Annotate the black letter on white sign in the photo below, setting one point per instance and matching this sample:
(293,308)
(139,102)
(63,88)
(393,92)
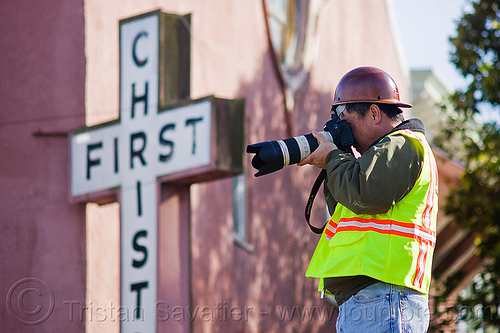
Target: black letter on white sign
(97,161)
(116,155)
(140,248)
(139,199)
(165,142)
(133,151)
(138,62)
(193,122)
(136,99)
(137,287)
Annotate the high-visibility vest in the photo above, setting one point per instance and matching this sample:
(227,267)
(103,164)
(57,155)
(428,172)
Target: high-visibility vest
(395,247)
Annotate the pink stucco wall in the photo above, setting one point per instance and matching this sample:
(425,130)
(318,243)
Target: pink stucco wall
(42,235)
(55,67)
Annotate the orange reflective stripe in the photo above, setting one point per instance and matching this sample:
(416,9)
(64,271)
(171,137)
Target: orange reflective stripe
(421,260)
(431,193)
(388,227)
(330,230)
(429,205)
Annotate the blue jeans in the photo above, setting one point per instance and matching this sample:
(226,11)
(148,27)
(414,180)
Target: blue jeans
(384,307)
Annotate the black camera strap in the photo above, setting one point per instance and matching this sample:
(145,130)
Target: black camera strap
(317,184)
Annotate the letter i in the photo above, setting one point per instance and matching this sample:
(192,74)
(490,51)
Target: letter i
(139,199)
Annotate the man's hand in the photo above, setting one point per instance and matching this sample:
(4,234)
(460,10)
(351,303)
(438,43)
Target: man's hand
(318,157)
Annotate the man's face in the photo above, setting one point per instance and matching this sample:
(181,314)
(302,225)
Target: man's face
(361,128)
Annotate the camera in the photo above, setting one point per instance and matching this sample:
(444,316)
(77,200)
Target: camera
(273,155)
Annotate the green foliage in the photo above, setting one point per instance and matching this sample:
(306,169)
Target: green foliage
(476,55)
(475,205)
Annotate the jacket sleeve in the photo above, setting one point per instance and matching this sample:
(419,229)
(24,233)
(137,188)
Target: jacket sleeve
(374,182)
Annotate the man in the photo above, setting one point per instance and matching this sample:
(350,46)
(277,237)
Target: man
(375,253)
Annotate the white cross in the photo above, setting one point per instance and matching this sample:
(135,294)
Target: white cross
(132,153)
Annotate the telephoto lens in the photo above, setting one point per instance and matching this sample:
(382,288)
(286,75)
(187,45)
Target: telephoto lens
(273,155)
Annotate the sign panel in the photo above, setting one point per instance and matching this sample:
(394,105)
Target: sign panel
(172,141)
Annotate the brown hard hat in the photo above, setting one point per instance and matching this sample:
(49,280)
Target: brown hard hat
(367,85)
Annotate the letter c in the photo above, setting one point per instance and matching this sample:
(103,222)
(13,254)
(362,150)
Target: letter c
(138,61)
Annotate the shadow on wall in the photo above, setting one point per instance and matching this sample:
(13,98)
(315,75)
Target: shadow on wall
(265,289)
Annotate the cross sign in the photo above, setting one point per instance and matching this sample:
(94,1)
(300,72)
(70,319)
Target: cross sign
(149,144)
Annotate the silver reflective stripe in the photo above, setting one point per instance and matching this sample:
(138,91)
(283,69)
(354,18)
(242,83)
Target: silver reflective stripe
(415,231)
(421,263)
(284,150)
(304,148)
(387,227)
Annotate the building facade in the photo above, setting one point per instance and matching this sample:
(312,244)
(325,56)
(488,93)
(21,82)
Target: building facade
(239,260)
(42,251)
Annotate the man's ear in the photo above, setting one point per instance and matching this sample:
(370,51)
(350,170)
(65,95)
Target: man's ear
(375,113)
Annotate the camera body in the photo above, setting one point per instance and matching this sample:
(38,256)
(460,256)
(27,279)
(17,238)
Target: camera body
(273,155)
(341,133)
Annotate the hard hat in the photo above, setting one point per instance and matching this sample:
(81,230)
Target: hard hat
(367,85)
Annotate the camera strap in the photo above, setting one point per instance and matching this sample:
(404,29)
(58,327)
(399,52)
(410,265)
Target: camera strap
(317,184)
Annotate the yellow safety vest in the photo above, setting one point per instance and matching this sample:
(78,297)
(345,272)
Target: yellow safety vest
(395,247)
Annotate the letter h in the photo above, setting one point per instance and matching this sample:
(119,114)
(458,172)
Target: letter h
(137,99)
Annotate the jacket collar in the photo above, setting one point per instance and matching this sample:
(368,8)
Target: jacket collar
(413,124)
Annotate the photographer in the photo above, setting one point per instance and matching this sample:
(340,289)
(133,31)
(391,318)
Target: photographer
(375,253)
